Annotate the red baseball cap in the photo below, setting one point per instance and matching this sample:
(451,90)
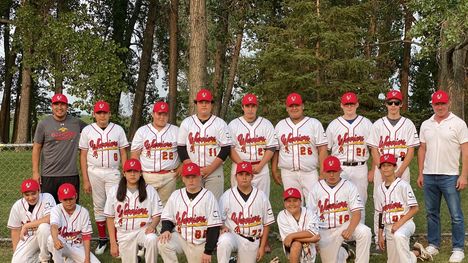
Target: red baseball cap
(440,96)
(244,167)
(293,99)
(59,98)
(66,191)
(394,95)
(161,107)
(331,164)
(349,97)
(190,169)
(132,165)
(29,185)
(249,99)
(101,106)
(387,158)
(291,192)
(204,95)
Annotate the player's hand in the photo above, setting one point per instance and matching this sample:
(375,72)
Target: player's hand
(316,238)
(206,171)
(149,230)
(36,176)
(24,231)
(461,182)
(205,258)
(178,171)
(288,241)
(346,234)
(399,173)
(114,249)
(164,237)
(86,187)
(381,242)
(260,253)
(420,181)
(276,177)
(58,244)
(257,168)
(370,175)
(396,226)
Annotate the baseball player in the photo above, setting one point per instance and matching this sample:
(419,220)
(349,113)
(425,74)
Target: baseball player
(254,141)
(397,205)
(393,134)
(338,205)
(133,209)
(70,229)
(302,147)
(347,137)
(247,216)
(103,146)
(155,145)
(29,224)
(298,227)
(193,213)
(205,140)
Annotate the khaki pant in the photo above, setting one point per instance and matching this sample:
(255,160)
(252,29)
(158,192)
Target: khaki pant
(164,184)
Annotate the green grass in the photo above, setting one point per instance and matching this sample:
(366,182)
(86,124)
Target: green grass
(16,166)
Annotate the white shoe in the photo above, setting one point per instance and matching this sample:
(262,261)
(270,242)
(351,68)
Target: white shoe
(457,256)
(432,250)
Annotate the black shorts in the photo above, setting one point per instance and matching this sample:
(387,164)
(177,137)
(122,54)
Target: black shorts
(51,184)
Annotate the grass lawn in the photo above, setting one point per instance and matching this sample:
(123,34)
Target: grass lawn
(16,166)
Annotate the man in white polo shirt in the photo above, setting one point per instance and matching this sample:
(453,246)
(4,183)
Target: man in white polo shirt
(443,137)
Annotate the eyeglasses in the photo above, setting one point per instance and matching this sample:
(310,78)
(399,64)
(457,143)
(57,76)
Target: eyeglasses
(350,104)
(396,103)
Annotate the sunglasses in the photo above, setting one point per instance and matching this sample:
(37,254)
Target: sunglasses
(396,103)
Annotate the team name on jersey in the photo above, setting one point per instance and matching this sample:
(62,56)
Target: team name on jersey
(294,140)
(251,141)
(197,140)
(70,236)
(393,207)
(99,145)
(154,145)
(250,221)
(194,221)
(393,144)
(349,140)
(127,212)
(327,208)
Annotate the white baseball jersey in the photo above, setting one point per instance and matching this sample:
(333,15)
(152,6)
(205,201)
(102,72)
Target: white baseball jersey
(20,215)
(298,144)
(246,217)
(251,140)
(287,224)
(132,214)
(391,139)
(334,205)
(192,218)
(72,228)
(348,141)
(395,201)
(158,148)
(203,141)
(103,145)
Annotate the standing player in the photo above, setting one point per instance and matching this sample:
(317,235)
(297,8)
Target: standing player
(298,227)
(302,148)
(102,146)
(193,213)
(347,137)
(70,229)
(155,144)
(392,134)
(338,205)
(397,205)
(133,209)
(247,216)
(254,142)
(29,224)
(204,139)
(55,148)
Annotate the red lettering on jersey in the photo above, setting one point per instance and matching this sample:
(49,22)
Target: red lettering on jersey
(126,211)
(70,235)
(197,139)
(393,207)
(346,139)
(99,144)
(326,207)
(387,143)
(63,135)
(156,145)
(300,139)
(241,220)
(248,140)
(193,220)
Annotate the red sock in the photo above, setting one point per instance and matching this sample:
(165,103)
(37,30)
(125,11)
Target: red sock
(101,228)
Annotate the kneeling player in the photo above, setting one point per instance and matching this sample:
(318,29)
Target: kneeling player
(298,227)
(247,215)
(194,213)
(338,205)
(133,209)
(396,205)
(29,224)
(70,229)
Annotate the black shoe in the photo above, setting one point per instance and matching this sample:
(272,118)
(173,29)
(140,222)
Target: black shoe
(233,260)
(349,249)
(102,244)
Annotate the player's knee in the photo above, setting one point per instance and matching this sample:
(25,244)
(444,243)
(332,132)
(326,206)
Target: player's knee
(151,240)
(43,229)
(399,237)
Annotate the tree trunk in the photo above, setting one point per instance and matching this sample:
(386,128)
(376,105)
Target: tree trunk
(25,101)
(220,55)
(197,50)
(232,74)
(145,68)
(318,80)
(371,31)
(173,59)
(17,104)
(405,67)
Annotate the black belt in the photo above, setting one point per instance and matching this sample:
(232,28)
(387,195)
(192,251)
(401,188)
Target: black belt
(353,163)
(251,239)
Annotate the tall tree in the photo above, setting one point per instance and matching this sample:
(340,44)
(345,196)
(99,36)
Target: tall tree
(405,67)
(173,59)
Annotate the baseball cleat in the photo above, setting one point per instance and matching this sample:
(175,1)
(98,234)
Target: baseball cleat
(102,245)
(423,254)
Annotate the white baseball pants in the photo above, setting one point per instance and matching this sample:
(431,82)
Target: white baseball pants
(358,176)
(75,253)
(398,249)
(101,179)
(231,242)
(260,181)
(129,242)
(215,182)
(303,181)
(33,247)
(178,245)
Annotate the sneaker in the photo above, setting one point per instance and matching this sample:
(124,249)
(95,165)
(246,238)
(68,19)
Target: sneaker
(376,251)
(233,259)
(423,254)
(141,252)
(457,256)
(349,250)
(432,250)
(101,247)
